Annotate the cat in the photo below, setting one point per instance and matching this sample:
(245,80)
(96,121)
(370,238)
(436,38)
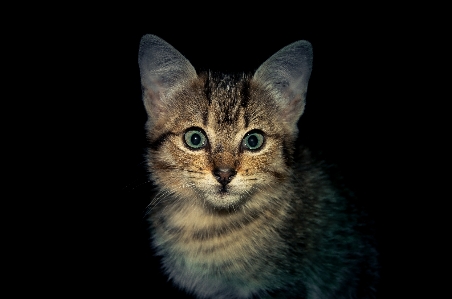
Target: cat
(240,211)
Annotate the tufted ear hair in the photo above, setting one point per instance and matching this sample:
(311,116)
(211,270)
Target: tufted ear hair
(163,71)
(285,75)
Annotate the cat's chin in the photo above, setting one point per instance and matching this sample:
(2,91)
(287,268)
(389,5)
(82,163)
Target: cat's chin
(224,199)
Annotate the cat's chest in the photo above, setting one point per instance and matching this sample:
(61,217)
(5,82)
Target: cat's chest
(209,241)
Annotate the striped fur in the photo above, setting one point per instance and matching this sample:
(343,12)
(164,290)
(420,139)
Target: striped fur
(278,228)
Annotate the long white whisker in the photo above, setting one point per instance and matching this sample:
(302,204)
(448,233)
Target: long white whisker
(156,200)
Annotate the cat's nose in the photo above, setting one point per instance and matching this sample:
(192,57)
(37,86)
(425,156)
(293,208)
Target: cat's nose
(224,175)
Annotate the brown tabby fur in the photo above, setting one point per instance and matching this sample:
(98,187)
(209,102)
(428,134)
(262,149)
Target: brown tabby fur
(278,228)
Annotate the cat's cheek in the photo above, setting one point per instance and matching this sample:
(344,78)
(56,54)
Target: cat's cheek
(183,158)
(259,165)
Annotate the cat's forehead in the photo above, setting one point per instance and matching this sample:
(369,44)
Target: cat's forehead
(229,104)
(230,87)
(227,97)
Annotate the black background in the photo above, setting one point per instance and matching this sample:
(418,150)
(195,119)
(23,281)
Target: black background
(98,240)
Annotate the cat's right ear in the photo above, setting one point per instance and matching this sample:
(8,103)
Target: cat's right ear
(163,71)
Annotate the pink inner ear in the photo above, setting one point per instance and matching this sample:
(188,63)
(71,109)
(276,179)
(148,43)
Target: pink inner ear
(294,109)
(153,103)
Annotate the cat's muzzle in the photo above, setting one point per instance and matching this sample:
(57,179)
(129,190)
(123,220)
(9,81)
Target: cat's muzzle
(224,175)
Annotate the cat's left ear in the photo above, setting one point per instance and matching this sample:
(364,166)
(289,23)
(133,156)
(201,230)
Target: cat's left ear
(285,75)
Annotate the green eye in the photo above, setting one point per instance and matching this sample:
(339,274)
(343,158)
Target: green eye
(253,140)
(195,138)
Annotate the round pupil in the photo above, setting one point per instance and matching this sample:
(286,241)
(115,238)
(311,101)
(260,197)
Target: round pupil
(195,139)
(252,141)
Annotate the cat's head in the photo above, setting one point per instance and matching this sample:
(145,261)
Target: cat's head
(220,140)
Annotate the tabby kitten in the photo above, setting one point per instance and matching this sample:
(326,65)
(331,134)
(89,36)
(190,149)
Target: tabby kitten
(238,212)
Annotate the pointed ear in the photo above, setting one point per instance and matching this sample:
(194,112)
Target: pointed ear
(285,75)
(163,71)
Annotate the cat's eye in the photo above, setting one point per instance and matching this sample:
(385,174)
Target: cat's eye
(195,138)
(253,140)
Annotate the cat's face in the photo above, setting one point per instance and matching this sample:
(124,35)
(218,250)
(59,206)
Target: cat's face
(219,142)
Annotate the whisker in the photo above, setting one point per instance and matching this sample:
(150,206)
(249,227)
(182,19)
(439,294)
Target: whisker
(132,186)
(156,200)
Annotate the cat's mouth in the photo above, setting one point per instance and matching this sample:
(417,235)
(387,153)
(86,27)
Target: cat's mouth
(223,190)
(221,197)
